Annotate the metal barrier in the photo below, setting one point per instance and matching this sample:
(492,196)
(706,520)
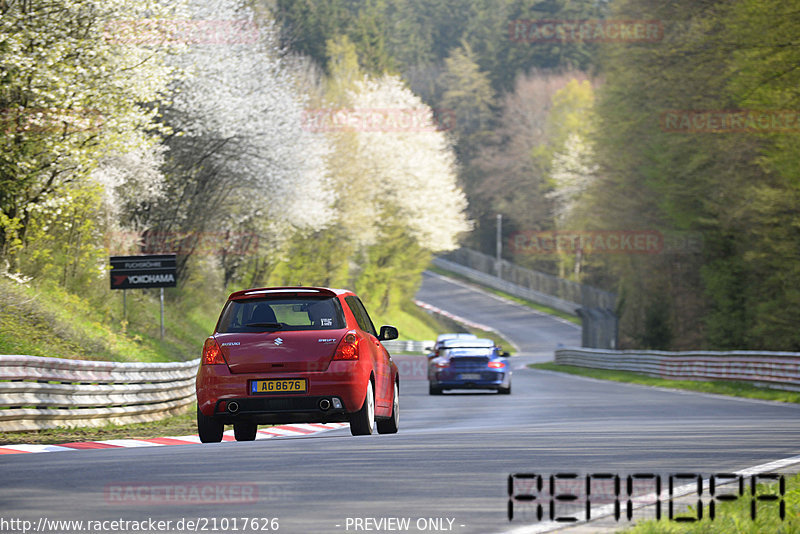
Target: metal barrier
(398,345)
(37,393)
(558,293)
(599,328)
(778,370)
(503,285)
(594,306)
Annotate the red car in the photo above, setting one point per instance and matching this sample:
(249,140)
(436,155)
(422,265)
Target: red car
(296,355)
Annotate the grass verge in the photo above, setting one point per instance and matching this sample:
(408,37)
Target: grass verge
(176,425)
(734,516)
(530,304)
(735,389)
(44,319)
(411,322)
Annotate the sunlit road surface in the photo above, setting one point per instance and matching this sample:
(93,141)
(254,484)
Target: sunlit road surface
(445,471)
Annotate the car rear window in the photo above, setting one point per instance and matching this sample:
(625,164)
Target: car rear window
(260,315)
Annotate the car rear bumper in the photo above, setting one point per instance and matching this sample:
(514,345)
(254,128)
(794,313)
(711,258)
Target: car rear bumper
(278,410)
(345,380)
(487,380)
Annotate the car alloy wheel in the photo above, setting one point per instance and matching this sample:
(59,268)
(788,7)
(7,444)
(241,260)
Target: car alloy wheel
(390,426)
(362,423)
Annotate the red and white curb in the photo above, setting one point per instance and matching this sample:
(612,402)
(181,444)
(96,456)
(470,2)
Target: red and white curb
(456,318)
(283,431)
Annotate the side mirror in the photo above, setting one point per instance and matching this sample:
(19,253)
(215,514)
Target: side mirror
(428,349)
(387,333)
(504,354)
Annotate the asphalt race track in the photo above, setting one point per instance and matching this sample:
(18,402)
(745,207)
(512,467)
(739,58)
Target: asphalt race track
(446,470)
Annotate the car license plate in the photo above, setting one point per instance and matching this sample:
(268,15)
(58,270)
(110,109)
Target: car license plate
(470,376)
(290,385)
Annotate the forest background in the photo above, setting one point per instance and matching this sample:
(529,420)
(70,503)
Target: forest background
(343,143)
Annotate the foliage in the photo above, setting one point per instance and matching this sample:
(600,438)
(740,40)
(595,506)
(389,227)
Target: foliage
(395,184)
(239,146)
(733,187)
(514,173)
(467,94)
(43,319)
(70,95)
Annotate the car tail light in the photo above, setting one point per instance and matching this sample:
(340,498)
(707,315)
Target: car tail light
(496,365)
(441,364)
(212,354)
(348,347)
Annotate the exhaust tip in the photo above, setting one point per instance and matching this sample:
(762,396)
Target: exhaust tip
(324,404)
(233,407)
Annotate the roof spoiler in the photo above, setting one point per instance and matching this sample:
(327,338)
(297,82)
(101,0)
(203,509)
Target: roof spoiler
(286,291)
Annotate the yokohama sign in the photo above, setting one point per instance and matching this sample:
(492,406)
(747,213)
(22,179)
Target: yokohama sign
(140,272)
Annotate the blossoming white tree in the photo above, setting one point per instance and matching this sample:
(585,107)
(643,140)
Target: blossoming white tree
(240,160)
(70,96)
(409,163)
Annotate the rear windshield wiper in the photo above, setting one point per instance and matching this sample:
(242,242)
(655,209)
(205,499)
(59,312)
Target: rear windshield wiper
(266,325)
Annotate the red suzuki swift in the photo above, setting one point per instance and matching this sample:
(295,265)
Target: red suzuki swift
(296,355)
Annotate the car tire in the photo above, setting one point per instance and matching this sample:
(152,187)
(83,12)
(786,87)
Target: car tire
(245,431)
(505,391)
(209,428)
(390,426)
(434,390)
(362,423)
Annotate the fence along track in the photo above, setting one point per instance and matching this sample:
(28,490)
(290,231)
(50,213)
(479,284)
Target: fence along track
(38,393)
(777,370)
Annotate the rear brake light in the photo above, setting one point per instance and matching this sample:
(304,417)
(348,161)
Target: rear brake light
(348,347)
(212,354)
(496,365)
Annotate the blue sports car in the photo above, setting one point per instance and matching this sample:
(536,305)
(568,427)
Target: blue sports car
(469,364)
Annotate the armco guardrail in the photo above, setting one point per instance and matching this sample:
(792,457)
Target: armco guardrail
(38,393)
(558,293)
(779,370)
(508,287)
(399,345)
